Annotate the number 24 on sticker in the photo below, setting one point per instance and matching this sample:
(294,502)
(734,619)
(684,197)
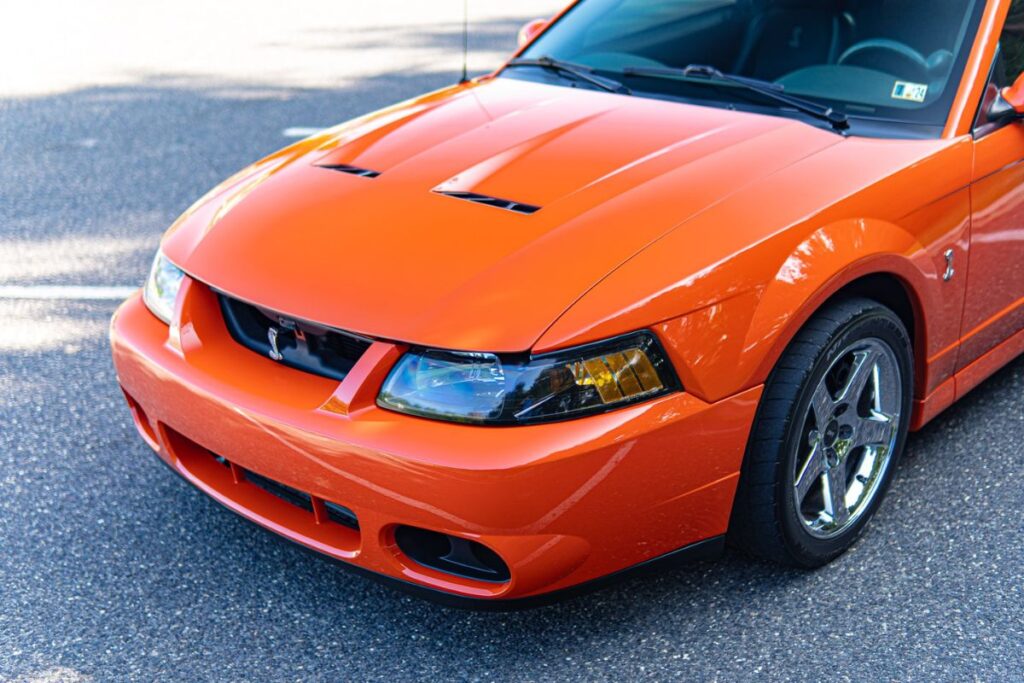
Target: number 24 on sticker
(913,92)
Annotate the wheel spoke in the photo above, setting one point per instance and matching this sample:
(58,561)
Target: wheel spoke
(876,380)
(811,472)
(873,431)
(822,405)
(862,372)
(835,495)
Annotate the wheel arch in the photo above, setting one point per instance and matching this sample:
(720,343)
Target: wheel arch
(734,343)
(889,289)
(898,275)
(899,296)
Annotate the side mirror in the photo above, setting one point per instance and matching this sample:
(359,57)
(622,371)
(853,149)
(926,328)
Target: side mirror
(531,30)
(1014,95)
(1010,102)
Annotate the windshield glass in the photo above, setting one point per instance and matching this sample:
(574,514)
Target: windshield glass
(895,60)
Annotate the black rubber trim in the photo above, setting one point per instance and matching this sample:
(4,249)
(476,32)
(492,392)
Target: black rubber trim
(708,549)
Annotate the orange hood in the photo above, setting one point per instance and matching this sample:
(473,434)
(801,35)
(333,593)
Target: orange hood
(391,257)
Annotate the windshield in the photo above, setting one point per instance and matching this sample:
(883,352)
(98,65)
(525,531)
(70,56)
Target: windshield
(893,61)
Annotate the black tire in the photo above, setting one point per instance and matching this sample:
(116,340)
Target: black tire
(765,519)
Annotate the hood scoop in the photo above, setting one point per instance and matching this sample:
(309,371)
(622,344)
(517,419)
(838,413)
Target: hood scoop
(351,170)
(506,204)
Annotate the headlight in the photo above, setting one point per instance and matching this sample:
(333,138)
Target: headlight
(484,388)
(162,287)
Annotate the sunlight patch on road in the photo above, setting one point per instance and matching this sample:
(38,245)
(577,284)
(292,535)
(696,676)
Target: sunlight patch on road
(22,261)
(327,44)
(57,674)
(44,326)
(66,293)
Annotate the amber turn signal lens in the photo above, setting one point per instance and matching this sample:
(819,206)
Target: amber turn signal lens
(618,376)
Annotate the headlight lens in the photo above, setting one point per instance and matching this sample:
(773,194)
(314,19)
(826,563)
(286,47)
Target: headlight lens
(484,388)
(162,287)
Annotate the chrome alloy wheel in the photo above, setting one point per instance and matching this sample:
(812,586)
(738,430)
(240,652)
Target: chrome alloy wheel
(848,438)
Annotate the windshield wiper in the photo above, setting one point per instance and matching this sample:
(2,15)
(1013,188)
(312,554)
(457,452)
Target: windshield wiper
(577,71)
(837,120)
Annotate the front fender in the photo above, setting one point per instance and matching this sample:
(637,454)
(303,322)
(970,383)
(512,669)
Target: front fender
(734,343)
(746,310)
(829,260)
(913,252)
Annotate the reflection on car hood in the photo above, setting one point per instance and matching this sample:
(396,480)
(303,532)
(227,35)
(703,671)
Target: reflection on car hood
(351,228)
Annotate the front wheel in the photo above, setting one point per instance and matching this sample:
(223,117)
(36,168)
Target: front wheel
(830,429)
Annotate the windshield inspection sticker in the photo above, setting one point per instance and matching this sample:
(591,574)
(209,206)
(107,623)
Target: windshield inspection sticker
(912,92)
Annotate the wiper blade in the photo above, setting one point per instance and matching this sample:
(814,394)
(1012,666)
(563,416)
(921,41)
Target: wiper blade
(577,71)
(837,120)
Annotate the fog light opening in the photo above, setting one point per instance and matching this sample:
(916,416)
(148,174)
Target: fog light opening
(452,555)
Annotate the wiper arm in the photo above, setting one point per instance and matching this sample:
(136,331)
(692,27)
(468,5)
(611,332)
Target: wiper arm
(577,71)
(837,120)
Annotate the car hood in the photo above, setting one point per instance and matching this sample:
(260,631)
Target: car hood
(351,228)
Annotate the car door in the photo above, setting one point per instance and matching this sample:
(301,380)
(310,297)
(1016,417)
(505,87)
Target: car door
(994,310)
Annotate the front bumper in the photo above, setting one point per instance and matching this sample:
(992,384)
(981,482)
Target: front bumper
(562,504)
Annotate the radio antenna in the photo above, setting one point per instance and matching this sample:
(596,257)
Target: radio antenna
(465,42)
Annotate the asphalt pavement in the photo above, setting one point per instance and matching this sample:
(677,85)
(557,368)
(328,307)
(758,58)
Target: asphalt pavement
(111,568)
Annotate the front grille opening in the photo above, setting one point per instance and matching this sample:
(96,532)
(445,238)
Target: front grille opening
(229,478)
(506,204)
(451,554)
(294,343)
(332,512)
(351,170)
(282,491)
(339,514)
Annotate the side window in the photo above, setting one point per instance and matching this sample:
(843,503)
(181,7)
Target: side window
(1012,44)
(1009,62)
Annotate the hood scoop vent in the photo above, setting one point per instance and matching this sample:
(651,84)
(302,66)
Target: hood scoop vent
(506,204)
(351,170)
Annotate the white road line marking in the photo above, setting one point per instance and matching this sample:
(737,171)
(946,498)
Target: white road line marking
(299,132)
(66,293)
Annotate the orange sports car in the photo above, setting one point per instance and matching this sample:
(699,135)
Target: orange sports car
(681,273)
